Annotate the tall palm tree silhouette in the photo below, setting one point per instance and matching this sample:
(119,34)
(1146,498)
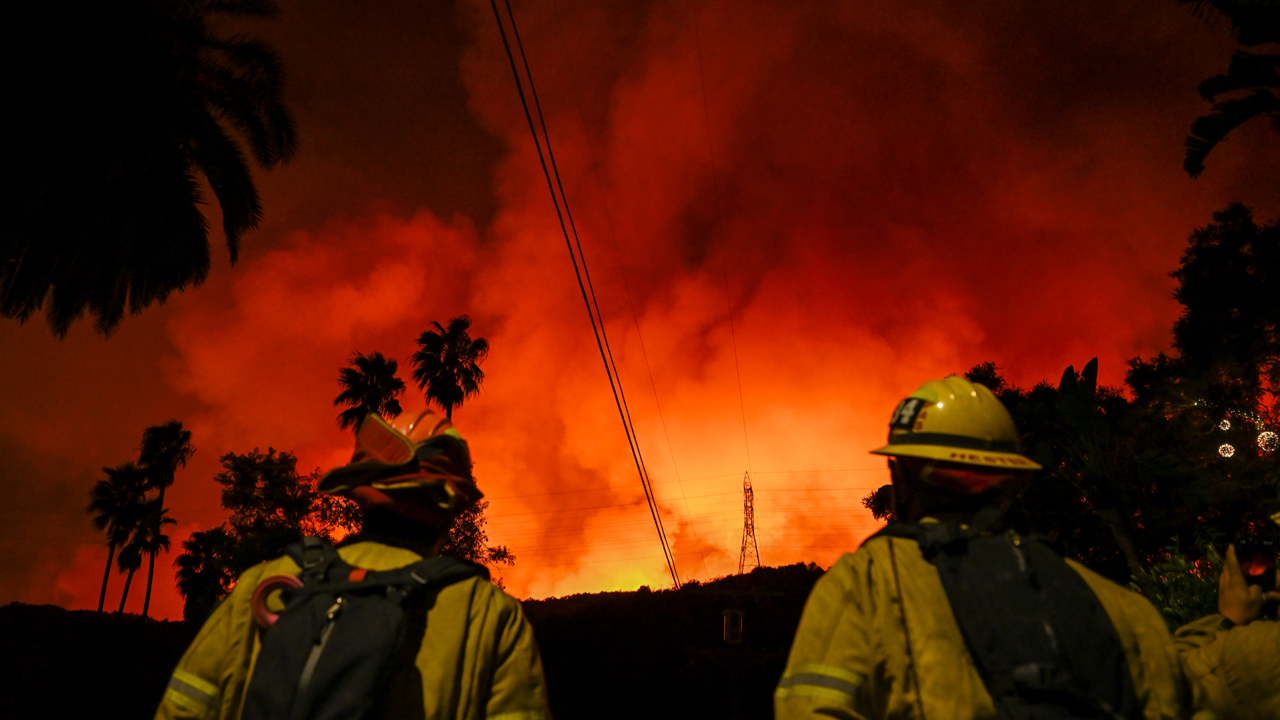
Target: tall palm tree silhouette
(126,107)
(117,506)
(447,364)
(130,560)
(150,540)
(370,386)
(165,448)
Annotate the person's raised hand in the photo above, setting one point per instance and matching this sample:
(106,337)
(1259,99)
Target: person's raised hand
(1238,601)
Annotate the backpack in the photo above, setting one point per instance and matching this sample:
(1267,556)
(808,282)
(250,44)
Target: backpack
(343,634)
(1041,641)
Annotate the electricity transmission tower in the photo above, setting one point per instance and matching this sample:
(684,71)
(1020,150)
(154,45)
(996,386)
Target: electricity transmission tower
(749,558)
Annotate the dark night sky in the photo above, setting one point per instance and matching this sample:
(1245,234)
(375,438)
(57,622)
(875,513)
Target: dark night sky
(899,190)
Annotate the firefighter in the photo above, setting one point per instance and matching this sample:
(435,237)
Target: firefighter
(932,613)
(478,658)
(1232,659)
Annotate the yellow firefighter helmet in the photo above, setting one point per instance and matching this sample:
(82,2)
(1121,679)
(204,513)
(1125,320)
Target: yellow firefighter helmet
(957,421)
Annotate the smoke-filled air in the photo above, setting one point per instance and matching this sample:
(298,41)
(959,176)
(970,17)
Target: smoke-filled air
(792,214)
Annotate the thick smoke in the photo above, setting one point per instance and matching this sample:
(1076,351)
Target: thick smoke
(877,193)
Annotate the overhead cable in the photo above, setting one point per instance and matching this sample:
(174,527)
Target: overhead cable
(588,292)
(626,286)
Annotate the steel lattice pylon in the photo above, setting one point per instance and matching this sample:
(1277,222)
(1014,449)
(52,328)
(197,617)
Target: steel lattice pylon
(749,558)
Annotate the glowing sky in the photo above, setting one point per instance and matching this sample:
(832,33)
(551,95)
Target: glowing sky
(882,191)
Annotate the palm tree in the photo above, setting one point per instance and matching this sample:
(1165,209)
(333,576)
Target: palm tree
(1248,72)
(117,503)
(130,559)
(165,448)
(447,365)
(151,540)
(204,571)
(1254,24)
(371,386)
(125,108)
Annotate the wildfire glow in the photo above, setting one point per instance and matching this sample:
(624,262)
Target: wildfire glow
(880,193)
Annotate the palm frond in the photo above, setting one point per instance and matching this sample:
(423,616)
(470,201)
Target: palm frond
(224,165)
(1207,131)
(247,88)
(369,386)
(1247,71)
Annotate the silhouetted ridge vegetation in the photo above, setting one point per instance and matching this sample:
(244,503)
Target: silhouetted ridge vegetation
(616,655)
(60,663)
(662,653)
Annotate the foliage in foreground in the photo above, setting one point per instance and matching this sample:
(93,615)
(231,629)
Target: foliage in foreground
(1181,587)
(126,110)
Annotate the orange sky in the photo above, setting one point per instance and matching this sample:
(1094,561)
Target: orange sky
(899,190)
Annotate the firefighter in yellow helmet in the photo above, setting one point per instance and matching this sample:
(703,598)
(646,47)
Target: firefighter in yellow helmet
(477,658)
(1232,658)
(945,614)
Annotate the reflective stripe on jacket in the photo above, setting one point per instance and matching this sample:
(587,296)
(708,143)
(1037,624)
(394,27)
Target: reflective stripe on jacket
(853,658)
(478,658)
(1234,670)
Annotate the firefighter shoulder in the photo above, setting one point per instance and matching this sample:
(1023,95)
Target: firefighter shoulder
(1232,658)
(478,658)
(879,638)
(854,657)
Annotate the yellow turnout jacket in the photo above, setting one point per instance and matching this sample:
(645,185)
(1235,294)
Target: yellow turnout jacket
(855,658)
(478,658)
(1234,670)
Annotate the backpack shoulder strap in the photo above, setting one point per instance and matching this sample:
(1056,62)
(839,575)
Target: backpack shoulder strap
(441,571)
(316,557)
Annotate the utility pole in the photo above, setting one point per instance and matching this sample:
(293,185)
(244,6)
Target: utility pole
(749,558)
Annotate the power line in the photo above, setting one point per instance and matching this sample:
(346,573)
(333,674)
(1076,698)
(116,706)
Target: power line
(626,286)
(593,308)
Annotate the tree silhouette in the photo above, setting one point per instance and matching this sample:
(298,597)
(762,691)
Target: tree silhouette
(117,506)
(149,538)
(447,364)
(165,448)
(1251,79)
(204,571)
(124,107)
(369,386)
(130,560)
(469,540)
(1127,474)
(271,506)
(880,502)
(1226,337)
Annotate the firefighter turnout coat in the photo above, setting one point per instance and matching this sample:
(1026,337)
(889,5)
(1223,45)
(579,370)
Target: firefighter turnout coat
(1234,670)
(478,657)
(878,641)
